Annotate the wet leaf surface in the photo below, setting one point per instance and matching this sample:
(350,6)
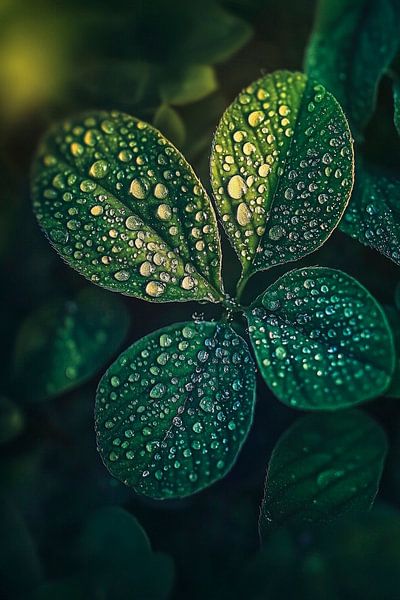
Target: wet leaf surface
(281,169)
(373,215)
(321,340)
(175,408)
(65,342)
(393,318)
(323,467)
(352,44)
(123,207)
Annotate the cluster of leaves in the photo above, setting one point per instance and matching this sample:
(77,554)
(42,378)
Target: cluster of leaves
(123,207)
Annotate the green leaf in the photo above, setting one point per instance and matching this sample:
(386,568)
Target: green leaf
(396,103)
(169,122)
(393,318)
(322,342)
(373,215)
(20,568)
(352,44)
(323,467)
(281,169)
(123,207)
(175,408)
(193,84)
(12,420)
(64,343)
(117,559)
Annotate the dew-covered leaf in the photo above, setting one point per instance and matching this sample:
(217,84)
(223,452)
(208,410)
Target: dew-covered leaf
(65,342)
(123,207)
(373,215)
(323,467)
(321,340)
(174,409)
(352,44)
(281,169)
(117,559)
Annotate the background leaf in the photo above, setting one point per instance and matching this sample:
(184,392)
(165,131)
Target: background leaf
(352,44)
(11,420)
(123,207)
(195,83)
(175,408)
(356,557)
(321,340)
(393,318)
(117,559)
(373,215)
(281,169)
(168,121)
(321,468)
(64,343)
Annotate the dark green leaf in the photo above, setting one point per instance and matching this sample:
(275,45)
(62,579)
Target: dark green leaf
(352,44)
(123,207)
(321,468)
(118,561)
(373,215)
(355,558)
(11,420)
(175,408)
(396,102)
(193,84)
(393,318)
(64,343)
(321,340)
(168,121)
(20,569)
(281,169)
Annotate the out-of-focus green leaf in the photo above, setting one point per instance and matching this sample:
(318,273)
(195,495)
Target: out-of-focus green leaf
(396,102)
(123,207)
(64,343)
(174,409)
(117,559)
(169,122)
(323,467)
(393,317)
(195,83)
(373,215)
(322,342)
(64,589)
(11,420)
(20,570)
(356,557)
(352,44)
(281,169)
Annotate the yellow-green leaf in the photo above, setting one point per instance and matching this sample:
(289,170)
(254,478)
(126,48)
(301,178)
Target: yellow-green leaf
(281,169)
(123,207)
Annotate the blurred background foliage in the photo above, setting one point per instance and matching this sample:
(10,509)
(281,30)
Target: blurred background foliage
(67,529)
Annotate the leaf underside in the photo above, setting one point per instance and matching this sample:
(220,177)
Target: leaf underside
(322,342)
(373,215)
(174,409)
(352,45)
(123,207)
(281,169)
(323,467)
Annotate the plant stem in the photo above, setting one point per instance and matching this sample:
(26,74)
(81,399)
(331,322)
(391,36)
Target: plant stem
(241,284)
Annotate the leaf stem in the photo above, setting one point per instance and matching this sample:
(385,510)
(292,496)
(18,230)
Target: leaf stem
(241,284)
